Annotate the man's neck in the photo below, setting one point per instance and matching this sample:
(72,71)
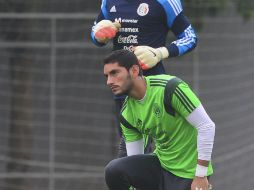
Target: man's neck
(139,89)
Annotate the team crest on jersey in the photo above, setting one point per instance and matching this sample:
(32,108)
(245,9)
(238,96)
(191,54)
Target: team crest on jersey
(143,9)
(157,110)
(139,123)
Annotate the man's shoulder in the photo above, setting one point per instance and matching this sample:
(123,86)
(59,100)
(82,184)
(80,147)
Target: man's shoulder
(115,2)
(154,80)
(159,77)
(109,2)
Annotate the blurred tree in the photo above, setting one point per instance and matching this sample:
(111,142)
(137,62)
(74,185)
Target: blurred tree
(198,9)
(53,6)
(245,8)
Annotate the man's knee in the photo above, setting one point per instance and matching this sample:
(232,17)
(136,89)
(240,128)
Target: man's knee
(114,171)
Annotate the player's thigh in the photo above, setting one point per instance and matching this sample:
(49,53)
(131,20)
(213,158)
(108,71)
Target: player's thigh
(143,171)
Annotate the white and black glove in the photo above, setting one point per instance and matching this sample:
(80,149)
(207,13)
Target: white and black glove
(148,57)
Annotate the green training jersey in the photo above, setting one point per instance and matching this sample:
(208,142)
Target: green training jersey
(161,115)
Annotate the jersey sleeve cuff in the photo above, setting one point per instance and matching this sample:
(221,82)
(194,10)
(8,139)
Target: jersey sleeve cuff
(95,42)
(173,50)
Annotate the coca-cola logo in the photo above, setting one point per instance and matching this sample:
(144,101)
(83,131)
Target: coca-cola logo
(131,39)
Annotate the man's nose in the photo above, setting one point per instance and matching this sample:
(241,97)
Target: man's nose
(109,81)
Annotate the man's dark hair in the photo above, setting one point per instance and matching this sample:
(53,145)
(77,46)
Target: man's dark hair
(124,58)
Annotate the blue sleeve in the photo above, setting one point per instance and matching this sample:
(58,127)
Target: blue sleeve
(186,37)
(104,9)
(180,26)
(103,15)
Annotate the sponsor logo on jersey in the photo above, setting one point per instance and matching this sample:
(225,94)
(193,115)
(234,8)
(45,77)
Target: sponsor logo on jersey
(120,20)
(143,9)
(157,110)
(131,30)
(129,48)
(131,39)
(113,9)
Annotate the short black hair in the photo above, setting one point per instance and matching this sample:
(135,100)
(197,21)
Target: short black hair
(124,58)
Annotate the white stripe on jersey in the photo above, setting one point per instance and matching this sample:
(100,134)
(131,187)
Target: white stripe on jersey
(179,4)
(184,41)
(102,2)
(179,7)
(189,37)
(175,6)
(189,32)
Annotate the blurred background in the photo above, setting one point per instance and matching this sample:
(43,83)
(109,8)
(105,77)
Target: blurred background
(57,116)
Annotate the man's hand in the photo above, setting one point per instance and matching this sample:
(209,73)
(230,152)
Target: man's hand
(200,183)
(148,57)
(105,30)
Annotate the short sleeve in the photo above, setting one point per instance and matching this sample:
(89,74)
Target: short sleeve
(184,101)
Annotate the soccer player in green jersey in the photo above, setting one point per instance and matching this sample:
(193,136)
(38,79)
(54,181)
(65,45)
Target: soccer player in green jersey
(166,109)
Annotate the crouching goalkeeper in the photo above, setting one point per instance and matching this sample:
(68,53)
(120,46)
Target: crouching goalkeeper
(165,108)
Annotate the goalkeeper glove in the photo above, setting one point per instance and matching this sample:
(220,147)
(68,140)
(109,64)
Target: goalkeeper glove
(148,57)
(105,30)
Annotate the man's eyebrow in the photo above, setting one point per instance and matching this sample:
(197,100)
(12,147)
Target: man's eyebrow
(113,71)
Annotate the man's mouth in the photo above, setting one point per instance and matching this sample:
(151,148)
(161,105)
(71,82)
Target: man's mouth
(114,88)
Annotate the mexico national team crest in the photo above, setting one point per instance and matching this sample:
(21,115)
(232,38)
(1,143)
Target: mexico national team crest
(143,9)
(157,110)
(139,123)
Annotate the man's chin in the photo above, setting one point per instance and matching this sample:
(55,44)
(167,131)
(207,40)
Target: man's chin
(119,93)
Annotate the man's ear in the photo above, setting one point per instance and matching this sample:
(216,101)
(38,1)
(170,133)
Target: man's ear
(135,70)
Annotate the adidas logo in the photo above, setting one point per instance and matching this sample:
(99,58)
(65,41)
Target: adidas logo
(113,9)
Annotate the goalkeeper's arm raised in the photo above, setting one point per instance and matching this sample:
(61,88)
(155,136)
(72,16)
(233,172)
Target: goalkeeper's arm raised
(185,42)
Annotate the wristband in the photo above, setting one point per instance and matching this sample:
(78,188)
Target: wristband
(201,171)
